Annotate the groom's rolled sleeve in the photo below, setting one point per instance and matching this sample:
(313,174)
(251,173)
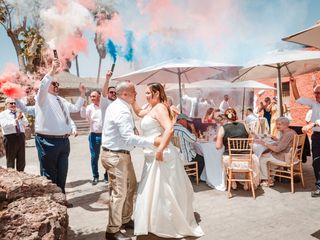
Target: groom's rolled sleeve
(125,126)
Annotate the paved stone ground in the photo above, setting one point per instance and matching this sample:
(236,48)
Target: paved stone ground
(275,214)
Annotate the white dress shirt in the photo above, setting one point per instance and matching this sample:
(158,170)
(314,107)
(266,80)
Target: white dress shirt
(50,119)
(251,118)
(8,122)
(93,114)
(31,110)
(223,106)
(118,128)
(315,106)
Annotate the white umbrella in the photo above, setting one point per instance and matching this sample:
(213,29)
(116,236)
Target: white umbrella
(180,70)
(281,63)
(309,37)
(204,84)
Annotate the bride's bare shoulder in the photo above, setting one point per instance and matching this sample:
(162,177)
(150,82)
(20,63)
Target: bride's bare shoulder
(160,107)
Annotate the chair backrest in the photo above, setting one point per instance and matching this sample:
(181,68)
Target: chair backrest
(297,147)
(240,150)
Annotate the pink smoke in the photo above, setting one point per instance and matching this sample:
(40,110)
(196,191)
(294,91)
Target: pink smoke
(90,4)
(61,5)
(13,82)
(73,45)
(112,29)
(12,90)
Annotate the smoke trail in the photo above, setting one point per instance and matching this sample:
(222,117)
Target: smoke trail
(129,49)
(112,49)
(62,20)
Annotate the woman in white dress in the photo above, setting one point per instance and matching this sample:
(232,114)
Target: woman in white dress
(165,194)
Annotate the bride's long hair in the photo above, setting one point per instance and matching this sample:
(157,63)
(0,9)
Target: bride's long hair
(157,87)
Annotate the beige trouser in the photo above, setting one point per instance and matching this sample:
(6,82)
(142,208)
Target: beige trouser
(264,159)
(123,185)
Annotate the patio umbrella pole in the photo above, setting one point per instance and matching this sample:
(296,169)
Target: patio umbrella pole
(180,91)
(279,91)
(243,101)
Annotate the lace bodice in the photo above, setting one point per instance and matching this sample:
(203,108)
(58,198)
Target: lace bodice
(150,127)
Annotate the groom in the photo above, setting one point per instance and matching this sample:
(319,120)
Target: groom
(118,139)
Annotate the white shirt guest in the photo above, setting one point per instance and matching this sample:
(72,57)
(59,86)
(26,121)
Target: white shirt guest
(224,104)
(53,127)
(250,116)
(13,123)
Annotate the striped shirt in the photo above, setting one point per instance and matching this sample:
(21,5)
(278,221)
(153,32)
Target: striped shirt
(186,139)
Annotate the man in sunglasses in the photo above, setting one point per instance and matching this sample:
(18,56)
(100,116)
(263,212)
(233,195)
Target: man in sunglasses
(13,124)
(108,95)
(315,125)
(53,127)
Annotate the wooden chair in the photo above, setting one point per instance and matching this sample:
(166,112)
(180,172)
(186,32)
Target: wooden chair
(240,162)
(191,168)
(293,166)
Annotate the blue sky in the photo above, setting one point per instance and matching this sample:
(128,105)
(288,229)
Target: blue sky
(263,24)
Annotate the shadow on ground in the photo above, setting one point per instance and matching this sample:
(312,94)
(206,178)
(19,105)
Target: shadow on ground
(85,236)
(77,183)
(85,201)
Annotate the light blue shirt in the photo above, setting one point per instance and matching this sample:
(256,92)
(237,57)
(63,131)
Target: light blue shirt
(186,139)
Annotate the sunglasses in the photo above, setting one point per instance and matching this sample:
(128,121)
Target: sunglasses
(112,92)
(55,84)
(12,103)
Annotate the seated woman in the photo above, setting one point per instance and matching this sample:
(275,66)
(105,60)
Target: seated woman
(209,116)
(234,129)
(276,150)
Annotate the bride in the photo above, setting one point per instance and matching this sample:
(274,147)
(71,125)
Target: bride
(165,194)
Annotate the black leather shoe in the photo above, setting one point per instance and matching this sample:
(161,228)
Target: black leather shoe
(95,181)
(117,236)
(316,193)
(128,225)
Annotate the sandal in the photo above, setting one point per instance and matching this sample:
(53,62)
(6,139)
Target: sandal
(266,184)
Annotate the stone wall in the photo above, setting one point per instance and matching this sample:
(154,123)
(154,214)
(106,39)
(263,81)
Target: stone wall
(31,207)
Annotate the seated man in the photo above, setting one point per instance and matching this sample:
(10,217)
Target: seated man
(250,117)
(278,149)
(185,131)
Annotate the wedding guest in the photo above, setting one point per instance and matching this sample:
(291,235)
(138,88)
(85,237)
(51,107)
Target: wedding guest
(187,138)
(315,126)
(272,108)
(224,104)
(53,127)
(92,113)
(265,109)
(209,116)
(250,116)
(234,129)
(277,149)
(13,124)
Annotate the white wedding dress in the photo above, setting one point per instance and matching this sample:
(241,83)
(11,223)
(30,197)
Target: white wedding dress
(165,194)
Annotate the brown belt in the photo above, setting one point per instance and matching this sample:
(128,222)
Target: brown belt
(116,151)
